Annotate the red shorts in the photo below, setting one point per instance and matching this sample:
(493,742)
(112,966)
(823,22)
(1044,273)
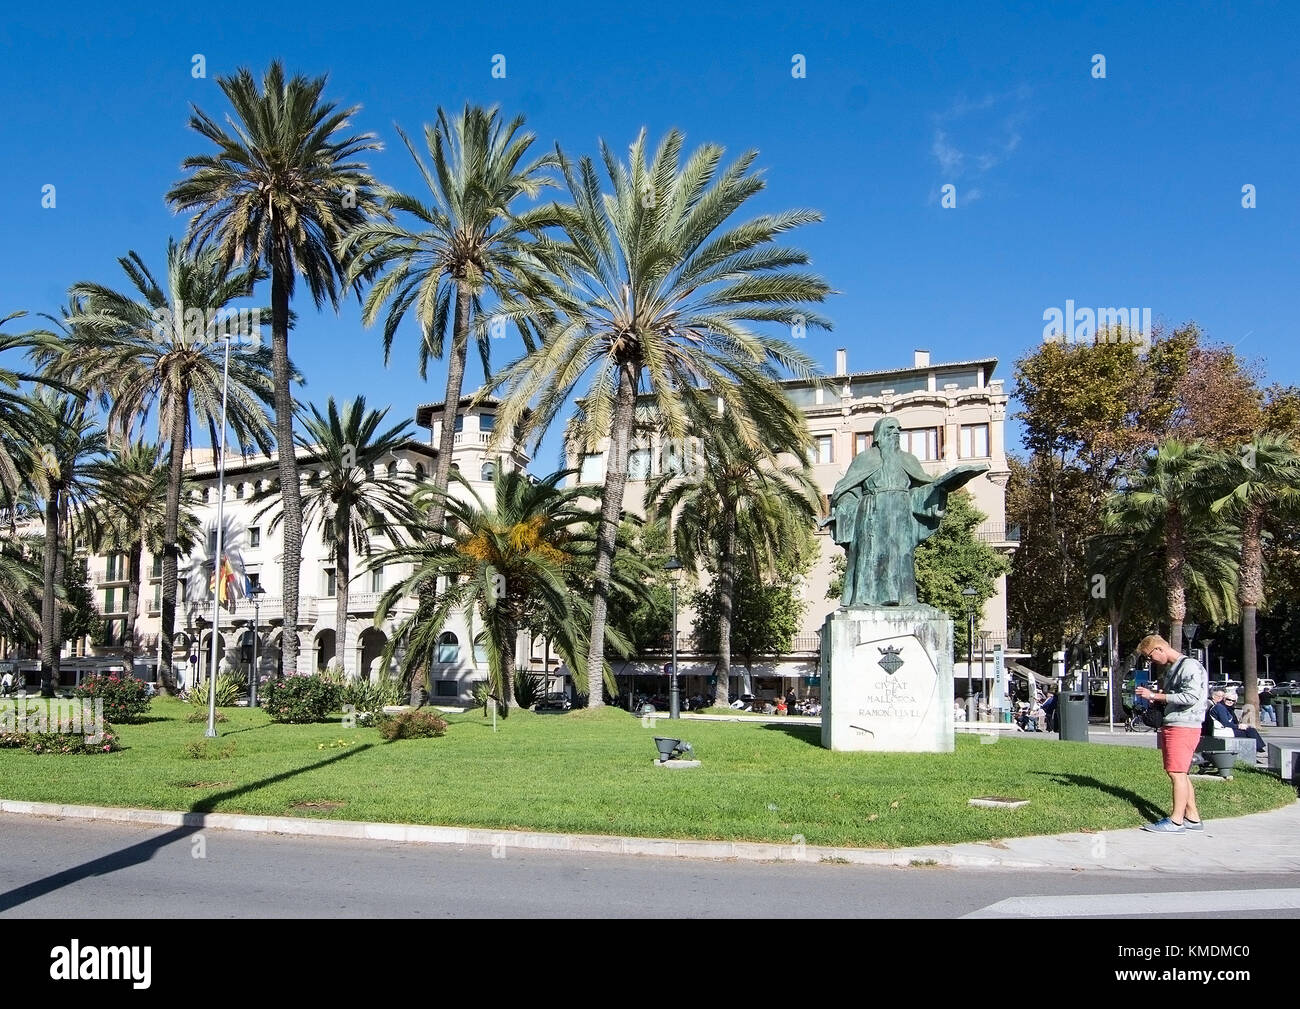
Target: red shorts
(1178,743)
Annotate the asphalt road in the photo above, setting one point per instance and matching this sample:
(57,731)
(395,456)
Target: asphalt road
(69,868)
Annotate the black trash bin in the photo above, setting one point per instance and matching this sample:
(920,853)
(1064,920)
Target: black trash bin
(1072,710)
(1282,706)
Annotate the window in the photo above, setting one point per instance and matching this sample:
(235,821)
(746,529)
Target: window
(446,688)
(593,468)
(157,566)
(239,491)
(254,537)
(110,601)
(460,422)
(113,567)
(155,603)
(448,647)
(671,459)
(487,421)
(370,472)
(487,470)
(480,651)
(392,470)
(638,464)
(212,493)
(212,542)
(330,584)
(419,471)
(821,452)
(254,579)
(377,580)
(861,442)
(922,442)
(974,441)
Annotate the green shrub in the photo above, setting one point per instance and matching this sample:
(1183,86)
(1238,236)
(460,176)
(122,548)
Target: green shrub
(60,742)
(299,699)
(230,688)
(125,698)
(369,698)
(200,714)
(529,688)
(483,695)
(411,725)
(198,750)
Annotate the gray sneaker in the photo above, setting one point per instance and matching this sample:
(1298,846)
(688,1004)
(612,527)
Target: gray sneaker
(1165,826)
(1193,825)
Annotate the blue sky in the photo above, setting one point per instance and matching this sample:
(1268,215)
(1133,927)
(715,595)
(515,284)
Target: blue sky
(1122,191)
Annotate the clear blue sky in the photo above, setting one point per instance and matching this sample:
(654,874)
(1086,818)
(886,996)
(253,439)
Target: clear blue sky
(1123,191)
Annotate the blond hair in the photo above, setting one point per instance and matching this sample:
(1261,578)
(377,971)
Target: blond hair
(1151,641)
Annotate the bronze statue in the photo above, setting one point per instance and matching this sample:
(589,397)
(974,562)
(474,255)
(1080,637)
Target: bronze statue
(881,509)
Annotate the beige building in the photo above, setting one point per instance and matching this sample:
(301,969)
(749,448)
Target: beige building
(952,412)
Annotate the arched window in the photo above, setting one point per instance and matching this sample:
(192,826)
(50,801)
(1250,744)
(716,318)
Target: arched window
(480,650)
(448,647)
(487,471)
(392,470)
(419,471)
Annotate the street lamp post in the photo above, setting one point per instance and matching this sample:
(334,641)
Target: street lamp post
(674,569)
(257,594)
(216,560)
(969,594)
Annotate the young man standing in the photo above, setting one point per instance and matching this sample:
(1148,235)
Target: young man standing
(1183,696)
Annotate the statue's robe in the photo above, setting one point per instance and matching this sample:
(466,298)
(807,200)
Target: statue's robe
(883,508)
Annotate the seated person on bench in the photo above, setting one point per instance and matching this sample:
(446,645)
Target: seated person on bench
(1221,720)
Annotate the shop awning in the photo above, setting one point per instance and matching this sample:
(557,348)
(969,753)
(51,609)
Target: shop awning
(1025,673)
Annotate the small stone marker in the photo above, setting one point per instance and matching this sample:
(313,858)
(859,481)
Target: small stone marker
(674,765)
(998,802)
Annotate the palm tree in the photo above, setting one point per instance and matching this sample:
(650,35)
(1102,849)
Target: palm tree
(282,189)
(19,429)
(738,504)
(352,496)
(142,350)
(1260,487)
(20,583)
(661,289)
(131,514)
(471,244)
(70,441)
(524,553)
(1171,494)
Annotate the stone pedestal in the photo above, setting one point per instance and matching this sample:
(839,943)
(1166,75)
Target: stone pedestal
(886,679)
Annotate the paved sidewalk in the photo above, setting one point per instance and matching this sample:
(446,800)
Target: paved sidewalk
(1261,842)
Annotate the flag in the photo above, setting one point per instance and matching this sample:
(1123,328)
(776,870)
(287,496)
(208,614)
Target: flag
(227,586)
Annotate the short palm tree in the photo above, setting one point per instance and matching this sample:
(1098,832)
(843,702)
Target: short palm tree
(472,243)
(71,441)
(1260,486)
(131,510)
(282,190)
(18,427)
(353,496)
(738,504)
(20,583)
(662,287)
(1172,494)
(138,350)
(522,553)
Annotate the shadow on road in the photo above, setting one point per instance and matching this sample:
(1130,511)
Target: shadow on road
(145,850)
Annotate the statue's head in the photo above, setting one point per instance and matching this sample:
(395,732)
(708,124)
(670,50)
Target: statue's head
(886,434)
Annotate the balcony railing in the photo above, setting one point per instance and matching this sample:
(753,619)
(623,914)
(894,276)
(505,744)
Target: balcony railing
(998,534)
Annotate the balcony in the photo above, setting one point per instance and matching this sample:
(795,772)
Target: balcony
(998,535)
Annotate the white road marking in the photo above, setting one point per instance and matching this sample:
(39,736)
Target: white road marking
(1108,905)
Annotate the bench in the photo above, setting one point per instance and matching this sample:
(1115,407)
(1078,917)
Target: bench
(1244,747)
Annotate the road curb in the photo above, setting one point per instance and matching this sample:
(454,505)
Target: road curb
(750,851)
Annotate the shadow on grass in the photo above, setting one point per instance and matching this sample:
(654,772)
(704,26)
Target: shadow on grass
(1145,807)
(810,734)
(145,850)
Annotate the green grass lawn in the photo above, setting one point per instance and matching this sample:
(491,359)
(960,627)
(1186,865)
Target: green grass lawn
(591,772)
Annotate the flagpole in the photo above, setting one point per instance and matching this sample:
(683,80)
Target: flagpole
(216,561)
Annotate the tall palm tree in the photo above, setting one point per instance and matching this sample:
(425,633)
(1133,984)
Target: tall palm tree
(470,244)
(353,496)
(71,440)
(131,510)
(662,287)
(738,504)
(282,190)
(1261,487)
(1172,493)
(141,349)
(523,553)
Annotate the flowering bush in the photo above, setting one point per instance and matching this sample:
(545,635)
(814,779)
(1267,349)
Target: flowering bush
(125,698)
(300,699)
(411,725)
(60,742)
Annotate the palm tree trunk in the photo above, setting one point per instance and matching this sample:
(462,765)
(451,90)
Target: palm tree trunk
(132,604)
(611,505)
(60,569)
(342,577)
(1252,594)
(510,636)
(726,589)
(290,493)
(451,401)
(1116,674)
(171,531)
(49,603)
(1175,583)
